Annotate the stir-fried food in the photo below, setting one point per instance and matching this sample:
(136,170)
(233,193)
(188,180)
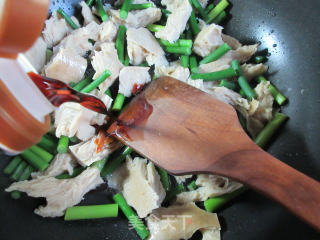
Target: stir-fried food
(112,54)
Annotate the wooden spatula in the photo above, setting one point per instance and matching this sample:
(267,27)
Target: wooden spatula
(187,131)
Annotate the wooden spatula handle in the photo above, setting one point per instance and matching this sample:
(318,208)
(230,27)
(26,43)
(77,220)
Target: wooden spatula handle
(297,192)
(187,131)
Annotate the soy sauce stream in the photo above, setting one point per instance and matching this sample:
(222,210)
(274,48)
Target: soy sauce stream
(58,93)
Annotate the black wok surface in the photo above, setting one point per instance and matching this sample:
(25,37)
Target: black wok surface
(290,30)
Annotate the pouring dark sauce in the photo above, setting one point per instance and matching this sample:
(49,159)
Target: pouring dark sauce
(58,93)
(135,116)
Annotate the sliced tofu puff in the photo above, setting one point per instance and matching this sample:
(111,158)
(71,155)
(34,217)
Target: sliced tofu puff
(176,71)
(225,95)
(62,162)
(73,119)
(106,58)
(85,132)
(67,66)
(171,5)
(37,54)
(55,29)
(242,54)
(78,39)
(265,98)
(251,71)
(211,37)
(208,186)
(142,46)
(208,39)
(136,19)
(198,83)
(87,15)
(259,111)
(105,99)
(215,66)
(231,41)
(254,111)
(238,52)
(180,222)
(60,194)
(176,22)
(116,179)
(108,32)
(140,185)
(133,78)
(90,151)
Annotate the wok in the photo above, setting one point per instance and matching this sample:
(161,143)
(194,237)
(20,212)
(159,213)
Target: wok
(290,30)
